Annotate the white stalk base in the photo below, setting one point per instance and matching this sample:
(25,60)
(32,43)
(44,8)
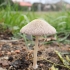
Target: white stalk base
(35,67)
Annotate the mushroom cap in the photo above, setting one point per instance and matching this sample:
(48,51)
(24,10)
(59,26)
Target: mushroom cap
(38,27)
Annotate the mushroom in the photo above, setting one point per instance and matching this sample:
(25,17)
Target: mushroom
(37,28)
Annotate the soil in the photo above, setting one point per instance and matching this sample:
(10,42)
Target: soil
(14,55)
(5,32)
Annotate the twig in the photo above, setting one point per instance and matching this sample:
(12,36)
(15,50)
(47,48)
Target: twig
(9,41)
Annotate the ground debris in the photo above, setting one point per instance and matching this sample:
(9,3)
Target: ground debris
(21,58)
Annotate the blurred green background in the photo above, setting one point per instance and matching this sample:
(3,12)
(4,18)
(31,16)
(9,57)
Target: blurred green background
(14,17)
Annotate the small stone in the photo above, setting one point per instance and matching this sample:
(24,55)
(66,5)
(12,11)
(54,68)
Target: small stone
(5,63)
(41,64)
(6,57)
(3,52)
(8,53)
(17,51)
(12,52)
(2,69)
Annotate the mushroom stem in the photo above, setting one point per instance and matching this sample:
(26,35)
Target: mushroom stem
(35,53)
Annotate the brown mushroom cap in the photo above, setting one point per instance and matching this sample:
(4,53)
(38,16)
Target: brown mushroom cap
(38,27)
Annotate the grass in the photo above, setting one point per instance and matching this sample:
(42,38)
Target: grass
(15,20)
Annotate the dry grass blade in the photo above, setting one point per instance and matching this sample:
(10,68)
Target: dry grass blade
(62,59)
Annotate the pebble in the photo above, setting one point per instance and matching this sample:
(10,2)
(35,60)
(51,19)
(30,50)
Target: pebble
(6,57)
(3,52)
(12,52)
(41,64)
(2,69)
(5,63)
(8,53)
(17,51)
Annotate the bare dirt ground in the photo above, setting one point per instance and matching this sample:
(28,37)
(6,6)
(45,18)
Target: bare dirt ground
(15,56)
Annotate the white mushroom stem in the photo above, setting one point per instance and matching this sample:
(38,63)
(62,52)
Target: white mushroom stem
(35,66)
